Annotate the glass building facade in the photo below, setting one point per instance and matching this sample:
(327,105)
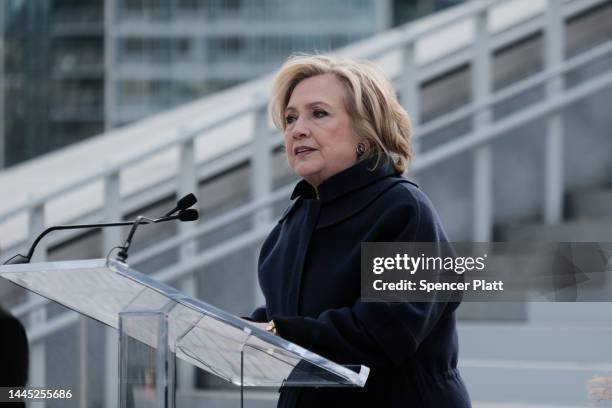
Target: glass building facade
(53,75)
(73,68)
(169,52)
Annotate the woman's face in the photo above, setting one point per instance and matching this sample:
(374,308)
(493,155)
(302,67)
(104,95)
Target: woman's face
(319,136)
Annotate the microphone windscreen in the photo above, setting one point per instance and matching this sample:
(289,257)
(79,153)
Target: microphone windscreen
(186,201)
(189,215)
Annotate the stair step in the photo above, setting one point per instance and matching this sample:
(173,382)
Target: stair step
(537,342)
(229,398)
(545,385)
(592,204)
(572,231)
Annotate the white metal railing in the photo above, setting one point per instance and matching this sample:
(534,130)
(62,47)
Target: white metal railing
(409,82)
(258,153)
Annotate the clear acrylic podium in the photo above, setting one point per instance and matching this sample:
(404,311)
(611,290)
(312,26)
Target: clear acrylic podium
(157,324)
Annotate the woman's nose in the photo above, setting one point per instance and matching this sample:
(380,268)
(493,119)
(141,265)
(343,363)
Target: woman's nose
(300,129)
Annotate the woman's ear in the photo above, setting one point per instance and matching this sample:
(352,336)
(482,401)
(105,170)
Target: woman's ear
(363,146)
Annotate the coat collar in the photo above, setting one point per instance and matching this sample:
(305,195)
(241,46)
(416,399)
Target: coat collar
(346,193)
(355,177)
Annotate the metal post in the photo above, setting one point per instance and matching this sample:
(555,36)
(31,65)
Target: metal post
(383,10)
(261,176)
(554,45)
(111,237)
(110,58)
(38,354)
(4,87)
(83,362)
(410,90)
(36,226)
(482,170)
(188,183)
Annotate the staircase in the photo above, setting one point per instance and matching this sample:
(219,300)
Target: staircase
(486,102)
(589,219)
(547,359)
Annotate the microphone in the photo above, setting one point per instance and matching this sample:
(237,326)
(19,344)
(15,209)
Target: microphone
(183,215)
(182,204)
(190,214)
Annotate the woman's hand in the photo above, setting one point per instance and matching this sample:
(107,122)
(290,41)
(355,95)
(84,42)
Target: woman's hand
(269,326)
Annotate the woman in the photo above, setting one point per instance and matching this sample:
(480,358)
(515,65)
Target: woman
(348,138)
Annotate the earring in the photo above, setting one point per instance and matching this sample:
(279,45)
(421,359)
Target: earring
(361,149)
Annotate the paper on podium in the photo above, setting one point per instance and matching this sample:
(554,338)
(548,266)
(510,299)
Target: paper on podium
(198,333)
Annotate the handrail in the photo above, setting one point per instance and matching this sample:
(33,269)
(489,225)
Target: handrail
(511,122)
(438,123)
(428,159)
(175,241)
(436,155)
(514,89)
(477,140)
(202,229)
(411,32)
(145,154)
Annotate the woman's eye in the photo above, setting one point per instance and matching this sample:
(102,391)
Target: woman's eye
(319,113)
(289,119)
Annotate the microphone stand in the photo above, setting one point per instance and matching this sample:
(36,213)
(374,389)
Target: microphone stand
(184,214)
(20,259)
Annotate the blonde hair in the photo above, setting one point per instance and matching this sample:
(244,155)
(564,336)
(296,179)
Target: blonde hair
(371,102)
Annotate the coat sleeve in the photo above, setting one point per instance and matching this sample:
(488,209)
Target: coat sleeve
(13,353)
(259,315)
(376,333)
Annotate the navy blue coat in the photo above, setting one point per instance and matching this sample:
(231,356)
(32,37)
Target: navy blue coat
(309,272)
(13,354)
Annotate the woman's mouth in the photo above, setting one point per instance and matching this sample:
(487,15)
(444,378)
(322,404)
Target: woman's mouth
(302,151)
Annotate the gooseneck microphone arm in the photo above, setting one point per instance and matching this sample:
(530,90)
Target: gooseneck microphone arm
(17,259)
(123,254)
(184,214)
(189,214)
